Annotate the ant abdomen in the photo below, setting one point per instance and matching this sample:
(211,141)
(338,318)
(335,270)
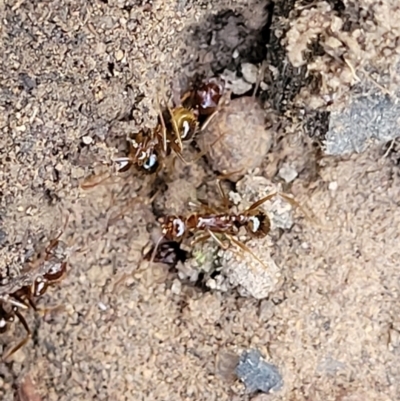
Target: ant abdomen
(258,224)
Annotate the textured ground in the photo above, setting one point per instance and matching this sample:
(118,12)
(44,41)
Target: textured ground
(74,76)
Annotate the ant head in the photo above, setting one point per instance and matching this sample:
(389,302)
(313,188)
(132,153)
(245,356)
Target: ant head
(258,225)
(173,228)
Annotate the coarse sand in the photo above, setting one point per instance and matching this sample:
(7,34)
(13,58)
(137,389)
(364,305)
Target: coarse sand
(76,75)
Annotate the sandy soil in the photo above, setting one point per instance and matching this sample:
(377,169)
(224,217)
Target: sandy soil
(75,78)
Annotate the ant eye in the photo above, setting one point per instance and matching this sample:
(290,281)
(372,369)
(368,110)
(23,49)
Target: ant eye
(151,163)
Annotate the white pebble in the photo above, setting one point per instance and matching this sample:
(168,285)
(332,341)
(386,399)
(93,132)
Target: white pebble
(287,173)
(176,287)
(87,140)
(333,186)
(250,72)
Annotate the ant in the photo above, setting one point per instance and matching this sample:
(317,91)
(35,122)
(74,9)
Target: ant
(147,150)
(212,222)
(24,298)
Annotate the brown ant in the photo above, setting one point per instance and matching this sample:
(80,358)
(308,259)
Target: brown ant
(147,150)
(211,222)
(24,298)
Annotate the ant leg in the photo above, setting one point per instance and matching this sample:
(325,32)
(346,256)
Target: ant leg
(296,204)
(18,301)
(176,129)
(225,200)
(218,241)
(54,241)
(204,207)
(174,125)
(154,253)
(200,239)
(260,77)
(163,126)
(245,248)
(90,182)
(24,341)
(207,150)
(255,205)
(208,120)
(178,153)
(185,97)
(227,175)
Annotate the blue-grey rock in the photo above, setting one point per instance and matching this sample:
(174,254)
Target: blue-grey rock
(257,374)
(370,117)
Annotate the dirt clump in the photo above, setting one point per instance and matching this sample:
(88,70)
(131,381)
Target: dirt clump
(229,132)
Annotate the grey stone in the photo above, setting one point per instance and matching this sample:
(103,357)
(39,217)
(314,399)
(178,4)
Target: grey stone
(257,374)
(370,117)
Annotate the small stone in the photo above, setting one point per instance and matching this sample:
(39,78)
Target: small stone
(226,363)
(237,85)
(99,275)
(3,236)
(21,128)
(333,186)
(119,55)
(87,140)
(28,82)
(287,173)
(250,72)
(176,287)
(257,374)
(211,283)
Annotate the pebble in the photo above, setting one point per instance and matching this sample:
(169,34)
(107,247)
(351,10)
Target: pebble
(87,140)
(119,55)
(257,374)
(236,84)
(176,287)
(287,173)
(239,138)
(250,72)
(333,186)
